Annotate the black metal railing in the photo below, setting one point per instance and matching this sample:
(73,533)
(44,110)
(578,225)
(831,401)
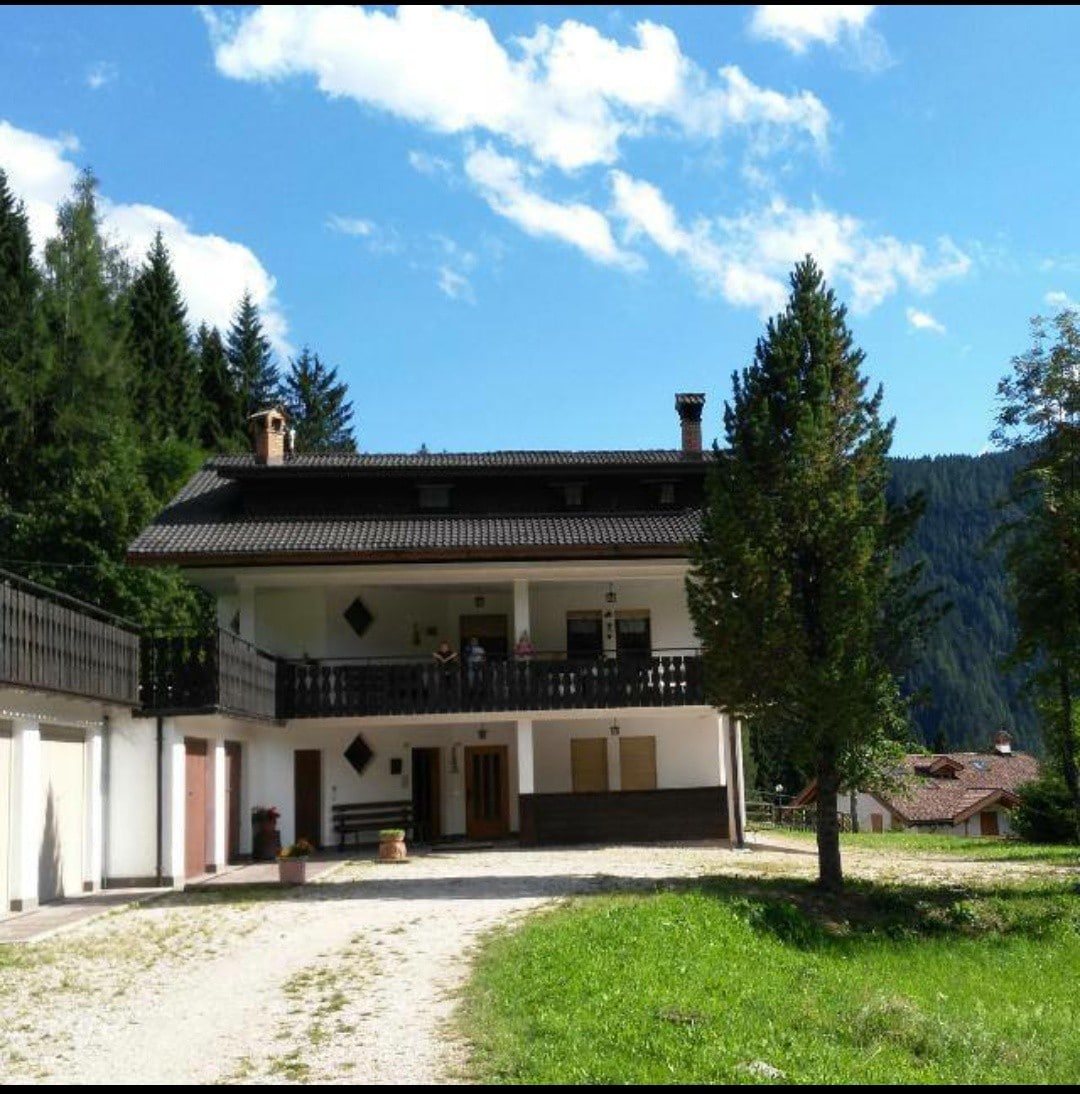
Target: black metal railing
(328,689)
(54,642)
(204,673)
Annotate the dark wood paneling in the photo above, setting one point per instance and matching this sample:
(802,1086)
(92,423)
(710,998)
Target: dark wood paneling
(307,786)
(427,797)
(624,816)
(195,776)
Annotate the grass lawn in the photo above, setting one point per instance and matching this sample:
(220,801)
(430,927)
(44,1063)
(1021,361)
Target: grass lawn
(723,980)
(982,848)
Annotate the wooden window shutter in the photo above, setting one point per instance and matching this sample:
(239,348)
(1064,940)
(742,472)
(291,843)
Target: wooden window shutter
(588,764)
(637,763)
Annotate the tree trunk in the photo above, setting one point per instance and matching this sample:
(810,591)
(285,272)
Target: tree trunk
(1068,747)
(830,869)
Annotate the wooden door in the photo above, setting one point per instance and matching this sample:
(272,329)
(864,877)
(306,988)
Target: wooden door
(877,822)
(988,823)
(588,765)
(637,763)
(492,630)
(307,788)
(426,796)
(195,772)
(487,792)
(232,800)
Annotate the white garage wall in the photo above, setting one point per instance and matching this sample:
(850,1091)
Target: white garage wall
(131,802)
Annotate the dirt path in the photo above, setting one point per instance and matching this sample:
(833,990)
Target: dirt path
(348,980)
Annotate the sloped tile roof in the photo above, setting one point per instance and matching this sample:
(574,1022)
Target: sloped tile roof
(456,461)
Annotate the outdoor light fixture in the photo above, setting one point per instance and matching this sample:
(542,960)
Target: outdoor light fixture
(482,733)
(610,596)
(614,729)
(478,601)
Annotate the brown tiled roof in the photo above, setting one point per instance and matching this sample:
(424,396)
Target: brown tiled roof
(932,799)
(205,525)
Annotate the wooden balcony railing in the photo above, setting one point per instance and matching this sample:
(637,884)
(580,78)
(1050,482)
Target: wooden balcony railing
(54,642)
(204,673)
(313,689)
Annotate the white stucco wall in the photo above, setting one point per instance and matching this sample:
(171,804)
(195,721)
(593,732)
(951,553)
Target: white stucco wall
(130,746)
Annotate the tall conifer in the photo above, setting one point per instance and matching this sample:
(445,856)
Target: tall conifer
(222,427)
(250,358)
(318,406)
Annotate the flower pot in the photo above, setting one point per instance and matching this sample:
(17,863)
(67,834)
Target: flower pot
(392,849)
(265,842)
(292,871)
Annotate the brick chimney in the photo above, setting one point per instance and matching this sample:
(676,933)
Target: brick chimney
(689,404)
(268,428)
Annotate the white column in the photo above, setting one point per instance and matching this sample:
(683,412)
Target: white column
(521,608)
(26,814)
(526,777)
(92,858)
(737,764)
(220,818)
(726,767)
(247,612)
(173,804)
(722,747)
(614,768)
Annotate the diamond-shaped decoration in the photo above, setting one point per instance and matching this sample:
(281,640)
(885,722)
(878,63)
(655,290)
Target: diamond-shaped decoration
(358,617)
(359,754)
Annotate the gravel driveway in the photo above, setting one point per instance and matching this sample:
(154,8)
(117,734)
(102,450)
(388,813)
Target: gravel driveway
(350,979)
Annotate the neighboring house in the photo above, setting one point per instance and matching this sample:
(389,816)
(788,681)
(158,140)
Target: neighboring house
(136,760)
(954,793)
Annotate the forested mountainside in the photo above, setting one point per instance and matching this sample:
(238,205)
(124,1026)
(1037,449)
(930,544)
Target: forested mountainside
(971,696)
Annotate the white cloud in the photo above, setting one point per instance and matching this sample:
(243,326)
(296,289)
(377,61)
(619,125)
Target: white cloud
(214,272)
(923,320)
(1060,301)
(351,226)
(428,164)
(836,26)
(100,74)
(455,285)
(746,258)
(501,182)
(567,94)
(378,238)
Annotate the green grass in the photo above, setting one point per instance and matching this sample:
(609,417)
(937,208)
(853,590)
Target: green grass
(709,983)
(983,849)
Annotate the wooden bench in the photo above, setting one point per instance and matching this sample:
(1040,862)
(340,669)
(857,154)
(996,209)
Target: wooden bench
(356,817)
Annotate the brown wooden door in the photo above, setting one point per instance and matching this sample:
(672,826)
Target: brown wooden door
(637,763)
(195,772)
(492,630)
(232,800)
(426,797)
(588,765)
(487,792)
(877,822)
(307,787)
(988,823)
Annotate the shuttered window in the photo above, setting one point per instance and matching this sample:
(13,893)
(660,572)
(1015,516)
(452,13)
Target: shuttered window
(637,763)
(588,764)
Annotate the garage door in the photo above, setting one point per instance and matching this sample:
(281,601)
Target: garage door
(5,819)
(195,826)
(63,789)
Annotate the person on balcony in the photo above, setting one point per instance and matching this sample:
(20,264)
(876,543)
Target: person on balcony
(523,648)
(446,662)
(445,654)
(475,656)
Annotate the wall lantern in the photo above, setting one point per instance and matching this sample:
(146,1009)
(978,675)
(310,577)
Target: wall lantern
(610,595)
(482,733)
(614,729)
(479,601)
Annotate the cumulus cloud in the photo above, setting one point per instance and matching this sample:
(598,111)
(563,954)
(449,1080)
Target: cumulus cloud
(923,320)
(838,26)
(503,183)
(746,258)
(567,94)
(214,272)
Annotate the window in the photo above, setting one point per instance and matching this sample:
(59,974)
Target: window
(633,634)
(574,494)
(434,496)
(637,763)
(584,634)
(588,765)
(667,493)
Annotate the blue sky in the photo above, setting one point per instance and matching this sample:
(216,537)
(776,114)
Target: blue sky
(529,227)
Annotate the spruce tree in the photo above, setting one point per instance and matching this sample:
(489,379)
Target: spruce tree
(318,407)
(795,594)
(252,363)
(20,353)
(165,382)
(222,427)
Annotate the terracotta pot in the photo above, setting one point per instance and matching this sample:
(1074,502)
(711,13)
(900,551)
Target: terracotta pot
(292,871)
(392,849)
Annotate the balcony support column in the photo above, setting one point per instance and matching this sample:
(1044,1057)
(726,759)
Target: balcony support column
(525,762)
(26,816)
(521,608)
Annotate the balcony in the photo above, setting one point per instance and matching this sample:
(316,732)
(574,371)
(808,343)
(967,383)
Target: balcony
(52,642)
(205,674)
(342,689)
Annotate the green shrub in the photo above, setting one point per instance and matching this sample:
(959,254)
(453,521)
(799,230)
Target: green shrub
(1045,813)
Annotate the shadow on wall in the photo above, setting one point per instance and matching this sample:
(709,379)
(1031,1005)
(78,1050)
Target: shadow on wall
(50,871)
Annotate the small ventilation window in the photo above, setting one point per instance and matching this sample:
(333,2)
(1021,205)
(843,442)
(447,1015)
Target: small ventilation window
(434,496)
(574,494)
(667,493)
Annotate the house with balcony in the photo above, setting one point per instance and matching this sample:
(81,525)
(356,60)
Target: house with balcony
(337,578)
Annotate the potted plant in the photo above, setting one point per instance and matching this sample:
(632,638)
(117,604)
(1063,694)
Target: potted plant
(292,862)
(265,838)
(392,845)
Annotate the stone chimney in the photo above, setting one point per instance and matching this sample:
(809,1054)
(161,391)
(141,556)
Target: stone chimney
(1003,744)
(268,428)
(689,404)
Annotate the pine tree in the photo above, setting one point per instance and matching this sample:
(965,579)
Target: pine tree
(1040,415)
(20,358)
(222,428)
(252,364)
(802,612)
(165,382)
(318,407)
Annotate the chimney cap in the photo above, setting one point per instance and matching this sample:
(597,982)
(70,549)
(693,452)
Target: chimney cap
(268,412)
(1003,743)
(689,404)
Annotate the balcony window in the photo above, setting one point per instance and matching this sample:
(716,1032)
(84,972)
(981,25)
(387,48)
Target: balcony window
(633,634)
(584,634)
